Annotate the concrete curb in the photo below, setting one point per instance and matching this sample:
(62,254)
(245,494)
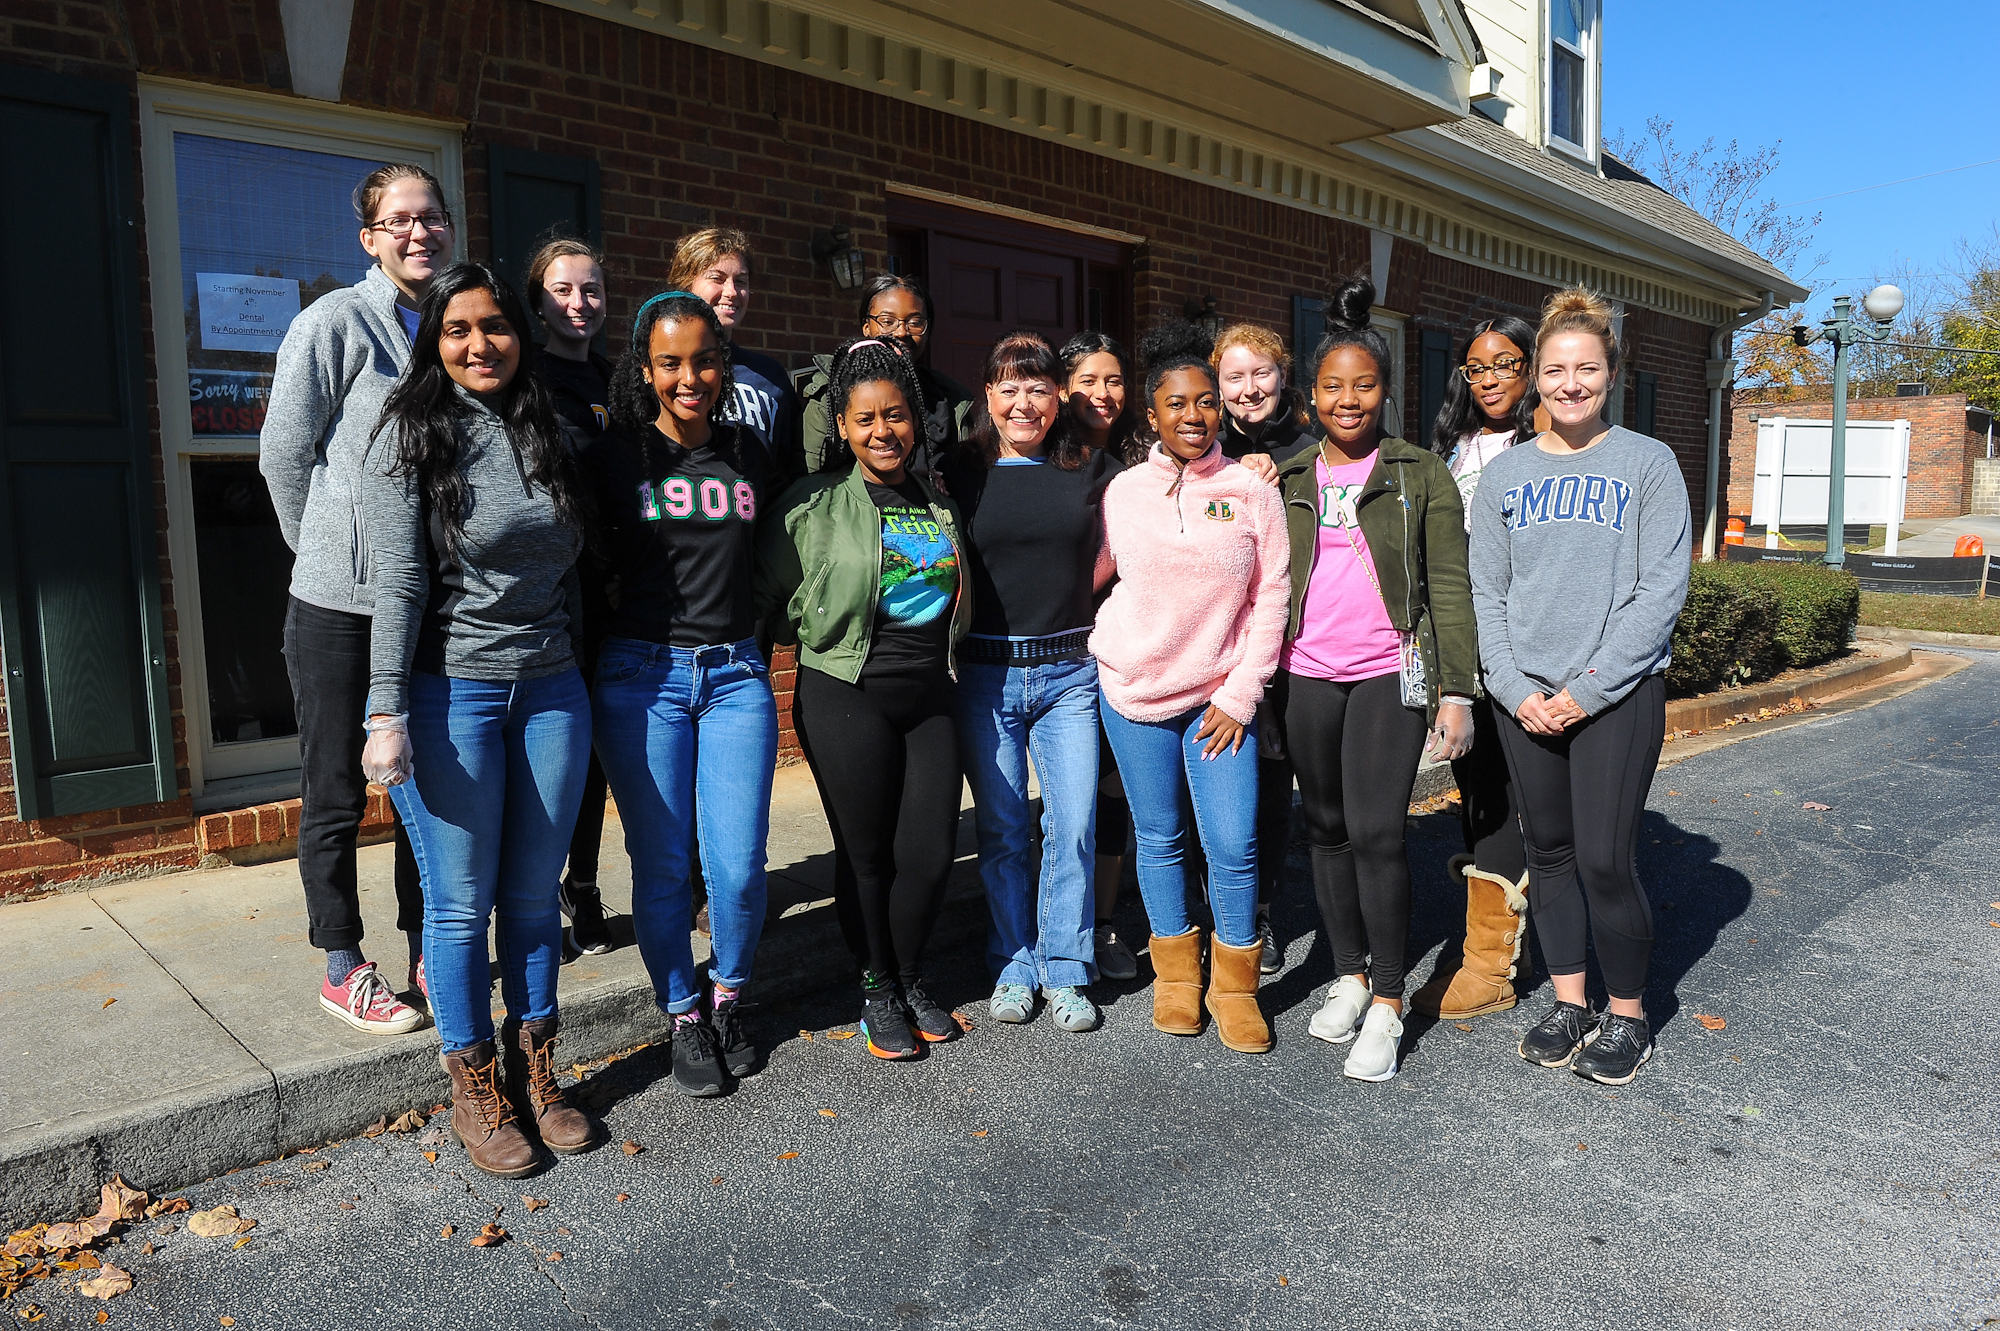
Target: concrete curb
(1985,641)
(1824,681)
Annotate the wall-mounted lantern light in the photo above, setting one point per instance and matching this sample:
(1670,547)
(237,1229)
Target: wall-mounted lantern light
(848,265)
(1203,315)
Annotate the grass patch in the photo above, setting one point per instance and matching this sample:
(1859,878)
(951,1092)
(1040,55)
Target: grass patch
(1939,614)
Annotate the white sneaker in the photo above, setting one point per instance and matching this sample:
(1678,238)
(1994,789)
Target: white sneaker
(1373,1057)
(1345,1003)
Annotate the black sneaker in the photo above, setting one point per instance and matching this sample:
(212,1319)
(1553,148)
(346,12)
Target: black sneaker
(579,901)
(739,1055)
(1558,1035)
(1272,959)
(927,1018)
(697,1058)
(1619,1049)
(882,1021)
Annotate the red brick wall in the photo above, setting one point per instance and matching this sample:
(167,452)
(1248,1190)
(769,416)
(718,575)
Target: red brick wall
(686,136)
(1942,447)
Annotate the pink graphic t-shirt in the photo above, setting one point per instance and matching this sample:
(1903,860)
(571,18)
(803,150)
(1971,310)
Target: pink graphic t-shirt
(1344,630)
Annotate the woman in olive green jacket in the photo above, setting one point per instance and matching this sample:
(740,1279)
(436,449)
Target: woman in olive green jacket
(862,570)
(1380,650)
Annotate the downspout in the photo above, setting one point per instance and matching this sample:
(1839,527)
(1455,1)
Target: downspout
(1721,371)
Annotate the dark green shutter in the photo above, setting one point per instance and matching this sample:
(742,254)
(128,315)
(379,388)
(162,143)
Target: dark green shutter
(1308,327)
(535,198)
(1433,374)
(80,614)
(1646,404)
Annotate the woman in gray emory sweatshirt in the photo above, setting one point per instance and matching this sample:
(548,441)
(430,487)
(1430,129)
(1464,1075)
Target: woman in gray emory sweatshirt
(1579,553)
(337,363)
(478,719)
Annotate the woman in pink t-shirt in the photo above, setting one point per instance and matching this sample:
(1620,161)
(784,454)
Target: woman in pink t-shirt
(1380,649)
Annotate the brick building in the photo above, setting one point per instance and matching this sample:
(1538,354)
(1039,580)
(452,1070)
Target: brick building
(1947,434)
(1052,165)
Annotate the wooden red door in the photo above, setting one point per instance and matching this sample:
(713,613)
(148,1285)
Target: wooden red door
(984,291)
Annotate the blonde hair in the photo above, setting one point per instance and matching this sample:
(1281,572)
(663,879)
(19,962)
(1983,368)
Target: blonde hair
(368,194)
(1261,341)
(697,253)
(562,247)
(1579,310)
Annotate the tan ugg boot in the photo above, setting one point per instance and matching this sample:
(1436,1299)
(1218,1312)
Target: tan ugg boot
(1481,978)
(481,1118)
(1233,978)
(531,1083)
(1177,982)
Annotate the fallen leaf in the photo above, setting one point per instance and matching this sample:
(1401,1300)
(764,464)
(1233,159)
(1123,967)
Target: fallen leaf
(806,1035)
(447,1231)
(488,1236)
(828,1113)
(431,1156)
(168,1206)
(624,1197)
(34,1312)
(147,1249)
(219,1223)
(789,1155)
(119,1200)
(561,1230)
(717,1179)
(239,1243)
(87,1261)
(61,1237)
(965,1023)
(377,1128)
(107,1284)
(315,1166)
(102,1316)
(347,1206)
(533,1203)
(556,1256)
(227,1321)
(409,1122)
(1713,1023)
(1816,805)
(980,1133)
(1282,1280)
(1463,1025)
(1582,1147)
(106,1003)
(840,1035)
(25,1242)
(1673,792)
(633,1148)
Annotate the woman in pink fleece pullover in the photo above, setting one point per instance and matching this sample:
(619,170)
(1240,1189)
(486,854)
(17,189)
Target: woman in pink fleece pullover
(1184,646)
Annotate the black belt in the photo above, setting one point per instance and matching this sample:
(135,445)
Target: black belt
(1027,651)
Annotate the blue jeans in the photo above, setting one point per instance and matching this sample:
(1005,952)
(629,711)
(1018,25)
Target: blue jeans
(490,807)
(1005,715)
(1163,769)
(688,738)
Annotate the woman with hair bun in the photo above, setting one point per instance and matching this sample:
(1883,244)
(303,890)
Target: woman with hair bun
(862,569)
(1489,405)
(1184,646)
(1579,568)
(1380,653)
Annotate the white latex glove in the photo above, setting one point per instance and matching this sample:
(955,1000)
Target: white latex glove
(386,759)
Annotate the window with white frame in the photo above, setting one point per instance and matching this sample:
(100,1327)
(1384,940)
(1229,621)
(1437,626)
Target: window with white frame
(1572,81)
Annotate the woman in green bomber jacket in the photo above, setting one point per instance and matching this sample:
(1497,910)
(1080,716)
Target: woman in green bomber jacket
(1380,646)
(862,569)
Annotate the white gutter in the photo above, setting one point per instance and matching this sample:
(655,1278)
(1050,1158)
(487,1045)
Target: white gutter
(1721,372)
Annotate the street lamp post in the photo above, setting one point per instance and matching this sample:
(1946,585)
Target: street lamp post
(1882,305)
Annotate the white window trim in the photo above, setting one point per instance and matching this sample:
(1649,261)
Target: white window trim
(167,106)
(1395,329)
(1586,152)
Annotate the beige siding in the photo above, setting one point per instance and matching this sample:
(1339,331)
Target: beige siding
(1511,32)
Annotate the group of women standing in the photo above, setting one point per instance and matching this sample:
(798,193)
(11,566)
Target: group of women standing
(1165,590)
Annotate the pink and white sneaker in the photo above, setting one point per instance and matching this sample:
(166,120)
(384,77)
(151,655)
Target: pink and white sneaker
(367,1003)
(418,983)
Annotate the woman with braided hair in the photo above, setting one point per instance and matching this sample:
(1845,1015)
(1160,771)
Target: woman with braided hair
(686,725)
(861,568)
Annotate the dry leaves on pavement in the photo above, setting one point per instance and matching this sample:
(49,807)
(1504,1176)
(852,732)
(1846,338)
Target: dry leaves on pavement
(410,1121)
(965,1023)
(168,1206)
(533,1203)
(633,1148)
(488,1236)
(828,1113)
(1713,1023)
(789,1155)
(119,1200)
(1816,806)
(220,1223)
(108,1283)
(447,1231)
(840,1035)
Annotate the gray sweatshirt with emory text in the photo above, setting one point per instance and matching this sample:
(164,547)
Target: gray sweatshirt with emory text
(1579,568)
(338,361)
(508,608)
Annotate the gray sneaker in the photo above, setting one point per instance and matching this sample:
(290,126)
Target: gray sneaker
(1012,1003)
(1070,1009)
(1114,960)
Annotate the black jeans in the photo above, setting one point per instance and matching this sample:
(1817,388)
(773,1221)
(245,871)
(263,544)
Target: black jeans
(326,654)
(1356,749)
(1583,794)
(1486,812)
(884,754)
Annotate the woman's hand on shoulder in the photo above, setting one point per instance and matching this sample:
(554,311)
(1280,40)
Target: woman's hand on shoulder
(1261,465)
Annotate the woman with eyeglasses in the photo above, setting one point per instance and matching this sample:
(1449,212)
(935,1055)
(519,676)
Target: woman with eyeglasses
(336,367)
(892,305)
(1489,405)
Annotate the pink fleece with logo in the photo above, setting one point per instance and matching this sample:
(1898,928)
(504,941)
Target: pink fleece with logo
(1204,587)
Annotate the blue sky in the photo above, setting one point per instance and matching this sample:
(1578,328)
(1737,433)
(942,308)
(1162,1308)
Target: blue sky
(1917,96)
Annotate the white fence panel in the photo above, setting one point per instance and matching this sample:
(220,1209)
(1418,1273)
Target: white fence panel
(1793,463)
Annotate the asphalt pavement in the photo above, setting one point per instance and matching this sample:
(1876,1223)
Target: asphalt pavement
(1828,1157)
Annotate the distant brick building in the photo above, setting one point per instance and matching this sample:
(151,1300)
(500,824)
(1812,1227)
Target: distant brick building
(1946,434)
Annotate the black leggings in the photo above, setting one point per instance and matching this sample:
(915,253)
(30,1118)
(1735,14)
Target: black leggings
(1582,795)
(1486,812)
(1356,747)
(885,757)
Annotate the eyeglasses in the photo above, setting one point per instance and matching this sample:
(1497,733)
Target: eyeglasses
(1502,370)
(400,226)
(890,324)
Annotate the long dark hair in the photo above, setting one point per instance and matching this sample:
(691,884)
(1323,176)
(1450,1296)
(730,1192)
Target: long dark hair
(1027,355)
(1460,415)
(422,414)
(868,360)
(634,404)
(1124,443)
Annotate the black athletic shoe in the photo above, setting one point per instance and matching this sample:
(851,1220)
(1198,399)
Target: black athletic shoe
(697,1058)
(1272,959)
(927,1018)
(882,1021)
(1617,1052)
(739,1055)
(1558,1035)
(579,901)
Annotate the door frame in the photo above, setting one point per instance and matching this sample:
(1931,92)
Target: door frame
(165,107)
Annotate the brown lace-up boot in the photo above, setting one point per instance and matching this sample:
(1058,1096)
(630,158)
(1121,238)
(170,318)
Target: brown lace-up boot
(1177,982)
(1480,978)
(481,1118)
(531,1080)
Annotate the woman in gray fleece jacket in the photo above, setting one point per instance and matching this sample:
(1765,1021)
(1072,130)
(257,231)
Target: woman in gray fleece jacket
(477,716)
(1579,568)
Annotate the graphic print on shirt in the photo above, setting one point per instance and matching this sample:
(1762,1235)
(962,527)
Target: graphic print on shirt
(1336,505)
(755,408)
(919,567)
(1578,497)
(707,498)
(1219,510)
